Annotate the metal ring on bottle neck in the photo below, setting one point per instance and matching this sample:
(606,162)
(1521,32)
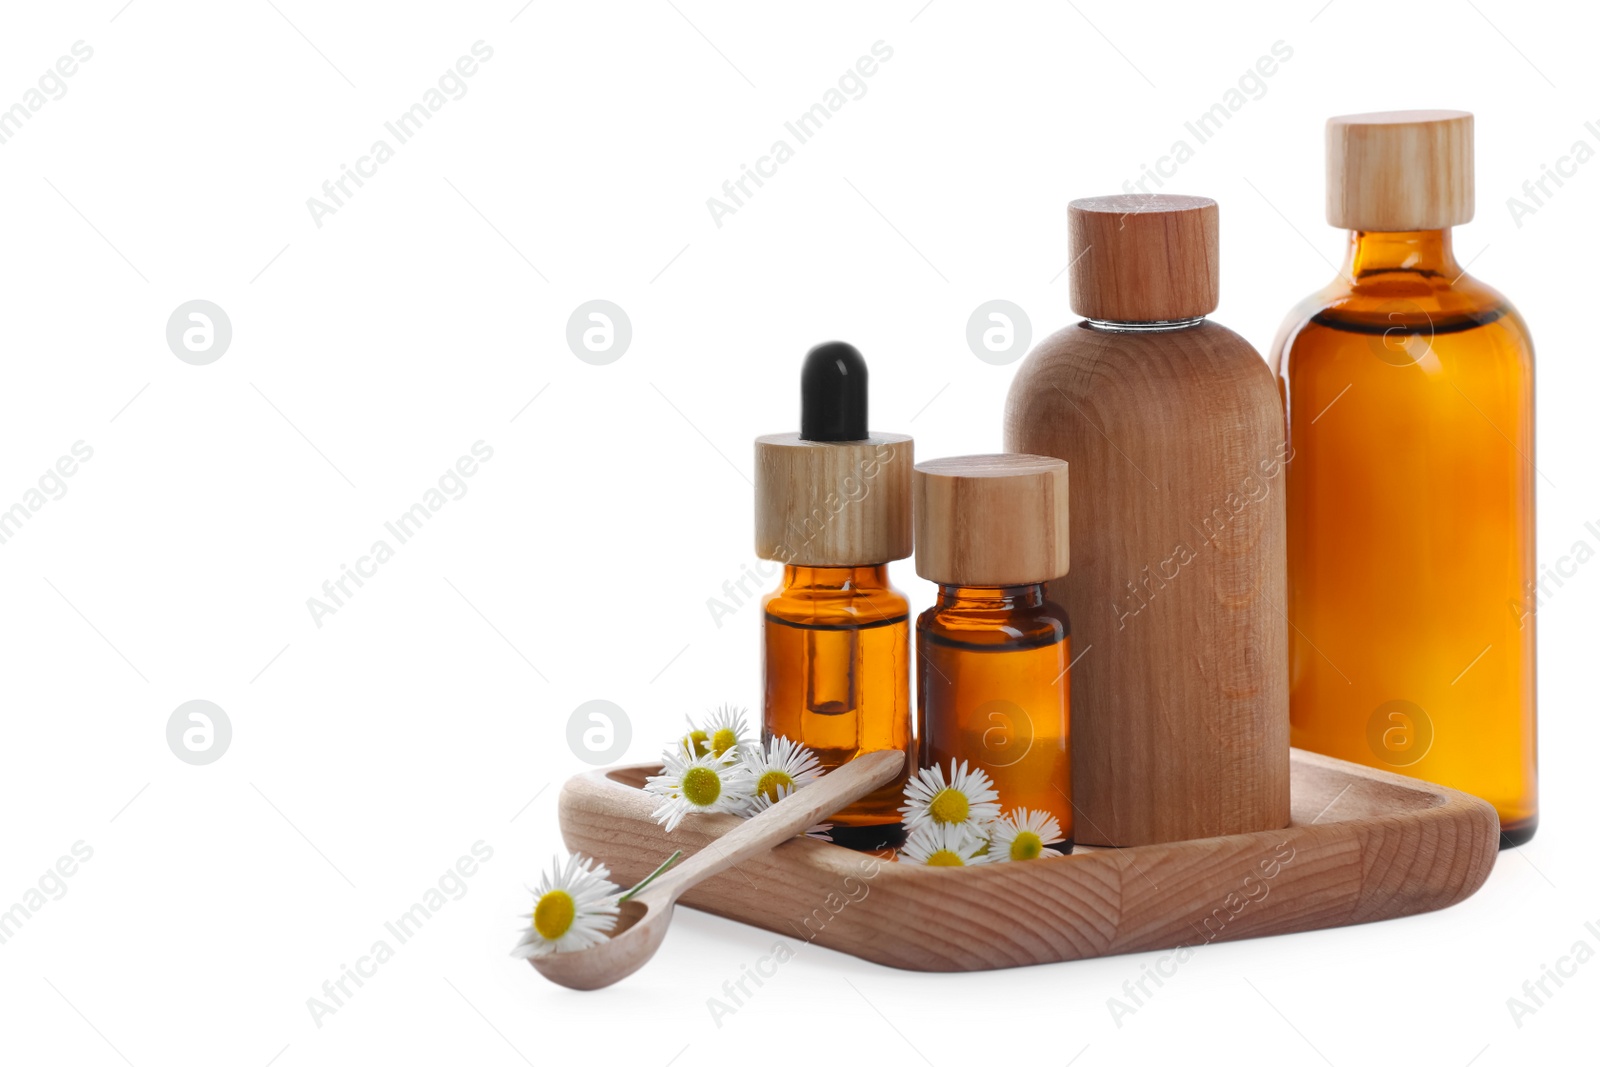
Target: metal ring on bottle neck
(1145,327)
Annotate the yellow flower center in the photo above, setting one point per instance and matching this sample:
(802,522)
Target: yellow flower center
(553,915)
(945,858)
(723,740)
(948,805)
(695,743)
(771,782)
(701,786)
(1026,846)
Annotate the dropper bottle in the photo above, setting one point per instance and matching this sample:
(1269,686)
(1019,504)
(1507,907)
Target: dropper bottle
(833,505)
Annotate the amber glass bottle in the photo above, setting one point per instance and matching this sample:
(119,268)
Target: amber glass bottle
(992,689)
(833,505)
(836,652)
(1410,487)
(992,653)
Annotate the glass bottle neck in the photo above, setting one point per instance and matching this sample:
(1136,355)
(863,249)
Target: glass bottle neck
(1416,251)
(990,597)
(842,579)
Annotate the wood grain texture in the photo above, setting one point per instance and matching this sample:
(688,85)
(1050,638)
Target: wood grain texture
(1180,693)
(1363,845)
(833,503)
(642,922)
(1400,170)
(991,520)
(1143,257)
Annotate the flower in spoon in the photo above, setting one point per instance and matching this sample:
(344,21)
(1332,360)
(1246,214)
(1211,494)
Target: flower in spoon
(574,907)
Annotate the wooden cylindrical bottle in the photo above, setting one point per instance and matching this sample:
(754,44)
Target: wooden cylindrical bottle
(1174,433)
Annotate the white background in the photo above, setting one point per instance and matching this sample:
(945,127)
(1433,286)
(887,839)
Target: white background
(430,711)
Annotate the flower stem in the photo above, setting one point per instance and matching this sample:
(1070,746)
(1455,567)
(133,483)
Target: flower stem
(630,894)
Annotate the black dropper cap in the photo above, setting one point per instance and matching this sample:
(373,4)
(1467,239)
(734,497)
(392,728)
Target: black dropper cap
(833,394)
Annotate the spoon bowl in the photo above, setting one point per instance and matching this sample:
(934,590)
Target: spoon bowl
(641,927)
(642,922)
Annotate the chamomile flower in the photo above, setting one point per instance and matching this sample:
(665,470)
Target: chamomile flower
(723,729)
(1023,835)
(969,799)
(935,844)
(695,742)
(818,832)
(726,731)
(574,907)
(783,765)
(704,784)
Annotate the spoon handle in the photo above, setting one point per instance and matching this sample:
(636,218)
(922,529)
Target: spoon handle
(792,815)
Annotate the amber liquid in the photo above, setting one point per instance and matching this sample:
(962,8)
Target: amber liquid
(1410,494)
(993,691)
(836,658)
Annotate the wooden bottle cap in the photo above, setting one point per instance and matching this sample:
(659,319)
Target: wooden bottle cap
(1143,258)
(1397,171)
(833,503)
(991,520)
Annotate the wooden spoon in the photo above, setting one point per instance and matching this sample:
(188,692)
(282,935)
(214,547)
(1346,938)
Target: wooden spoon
(643,920)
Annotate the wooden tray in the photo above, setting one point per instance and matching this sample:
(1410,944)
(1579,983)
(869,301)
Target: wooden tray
(1362,845)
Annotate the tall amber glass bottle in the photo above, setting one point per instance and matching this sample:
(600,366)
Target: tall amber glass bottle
(1409,392)
(833,505)
(993,652)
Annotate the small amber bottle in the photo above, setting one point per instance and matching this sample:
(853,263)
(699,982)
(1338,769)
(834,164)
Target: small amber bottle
(833,505)
(993,652)
(1409,392)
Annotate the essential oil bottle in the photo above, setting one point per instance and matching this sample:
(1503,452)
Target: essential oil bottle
(993,651)
(1409,391)
(833,505)
(1174,430)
